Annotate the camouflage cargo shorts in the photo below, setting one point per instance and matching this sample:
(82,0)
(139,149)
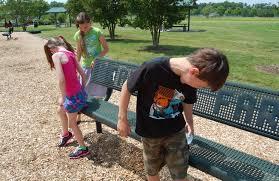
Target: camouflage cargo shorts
(171,150)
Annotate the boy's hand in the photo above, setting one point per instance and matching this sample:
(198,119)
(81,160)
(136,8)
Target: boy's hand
(189,129)
(123,127)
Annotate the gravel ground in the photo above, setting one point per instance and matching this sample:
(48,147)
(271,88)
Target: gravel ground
(30,129)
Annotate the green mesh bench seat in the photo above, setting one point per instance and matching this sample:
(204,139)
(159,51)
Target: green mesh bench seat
(245,107)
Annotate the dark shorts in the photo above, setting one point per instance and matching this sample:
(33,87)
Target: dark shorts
(76,102)
(171,150)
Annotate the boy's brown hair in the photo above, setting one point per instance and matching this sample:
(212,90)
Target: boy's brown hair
(82,18)
(213,66)
(55,42)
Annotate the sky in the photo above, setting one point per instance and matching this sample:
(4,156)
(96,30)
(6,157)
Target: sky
(206,1)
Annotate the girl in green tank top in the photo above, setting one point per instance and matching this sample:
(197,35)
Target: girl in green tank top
(91,44)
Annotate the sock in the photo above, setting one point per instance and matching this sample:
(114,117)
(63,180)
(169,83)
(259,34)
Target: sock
(65,134)
(83,147)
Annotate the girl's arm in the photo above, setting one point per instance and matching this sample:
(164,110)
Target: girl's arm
(104,45)
(59,73)
(81,73)
(78,51)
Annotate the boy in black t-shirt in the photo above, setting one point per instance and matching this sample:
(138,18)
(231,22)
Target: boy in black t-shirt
(166,88)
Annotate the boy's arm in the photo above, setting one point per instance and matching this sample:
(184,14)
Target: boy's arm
(104,45)
(59,74)
(123,125)
(188,112)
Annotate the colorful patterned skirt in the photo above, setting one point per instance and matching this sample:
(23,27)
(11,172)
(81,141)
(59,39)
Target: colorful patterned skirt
(76,102)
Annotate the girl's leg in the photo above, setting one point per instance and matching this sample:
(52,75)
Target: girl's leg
(78,118)
(64,120)
(66,135)
(153,178)
(77,132)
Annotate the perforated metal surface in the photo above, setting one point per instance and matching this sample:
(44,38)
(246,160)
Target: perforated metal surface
(245,107)
(107,114)
(229,164)
(111,74)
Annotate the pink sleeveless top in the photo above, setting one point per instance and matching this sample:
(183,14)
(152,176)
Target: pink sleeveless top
(70,73)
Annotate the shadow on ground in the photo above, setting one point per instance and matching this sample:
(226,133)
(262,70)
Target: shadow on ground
(120,40)
(181,30)
(108,149)
(169,50)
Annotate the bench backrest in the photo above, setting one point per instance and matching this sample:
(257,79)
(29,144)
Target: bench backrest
(245,107)
(111,73)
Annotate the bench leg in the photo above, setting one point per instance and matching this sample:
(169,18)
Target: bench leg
(98,127)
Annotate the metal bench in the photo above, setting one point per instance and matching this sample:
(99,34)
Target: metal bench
(8,35)
(248,108)
(184,26)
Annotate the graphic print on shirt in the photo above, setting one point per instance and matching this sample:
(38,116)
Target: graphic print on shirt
(166,103)
(91,47)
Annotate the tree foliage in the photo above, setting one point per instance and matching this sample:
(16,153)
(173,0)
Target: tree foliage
(108,13)
(39,7)
(74,7)
(24,11)
(56,4)
(154,14)
(237,9)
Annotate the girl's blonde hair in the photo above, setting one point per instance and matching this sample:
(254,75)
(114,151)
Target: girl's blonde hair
(82,18)
(55,42)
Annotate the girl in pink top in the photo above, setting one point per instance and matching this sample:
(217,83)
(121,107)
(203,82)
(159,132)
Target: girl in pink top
(61,57)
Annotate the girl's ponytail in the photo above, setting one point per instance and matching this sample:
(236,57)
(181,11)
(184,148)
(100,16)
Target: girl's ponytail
(55,42)
(68,45)
(82,18)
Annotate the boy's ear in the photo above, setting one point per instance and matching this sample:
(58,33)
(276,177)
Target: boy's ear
(194,71)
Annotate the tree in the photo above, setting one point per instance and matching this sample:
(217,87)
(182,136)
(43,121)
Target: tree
(74,7)
(2,9)
(221,10)
(153,14)
(20,10)
(207,10)
(56,4)
(108,13)
(39,7)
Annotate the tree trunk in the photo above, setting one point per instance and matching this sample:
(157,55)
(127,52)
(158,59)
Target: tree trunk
(155,33)
(111,28)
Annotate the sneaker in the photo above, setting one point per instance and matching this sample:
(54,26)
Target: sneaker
(64,140)
(78,153)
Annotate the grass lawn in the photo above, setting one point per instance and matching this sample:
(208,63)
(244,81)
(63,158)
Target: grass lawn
(247,42)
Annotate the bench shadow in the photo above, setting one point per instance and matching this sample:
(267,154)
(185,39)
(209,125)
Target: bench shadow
(108,149)
(169,50)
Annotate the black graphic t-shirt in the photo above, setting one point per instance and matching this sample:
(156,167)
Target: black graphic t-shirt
(160,97)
